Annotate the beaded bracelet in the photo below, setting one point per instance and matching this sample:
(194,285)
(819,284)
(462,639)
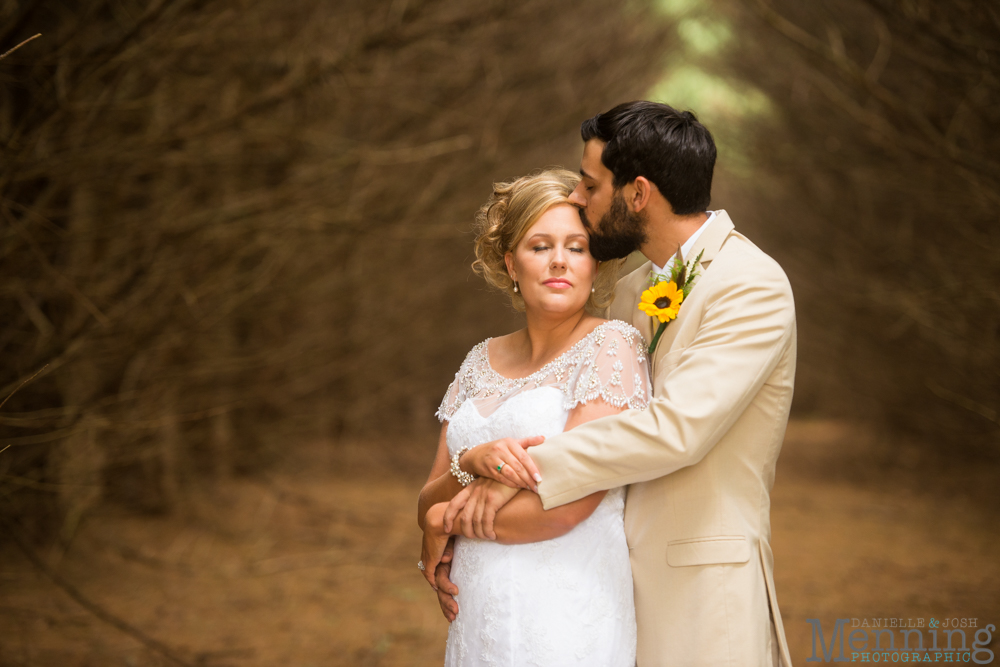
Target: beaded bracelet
(464,478)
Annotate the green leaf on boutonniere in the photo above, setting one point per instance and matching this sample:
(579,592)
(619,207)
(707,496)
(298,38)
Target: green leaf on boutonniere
(692,273)
(665,295)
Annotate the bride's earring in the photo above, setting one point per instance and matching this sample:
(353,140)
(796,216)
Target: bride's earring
(593,290)
(515,287)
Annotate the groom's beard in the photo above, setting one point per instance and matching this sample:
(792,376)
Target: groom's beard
(619,233)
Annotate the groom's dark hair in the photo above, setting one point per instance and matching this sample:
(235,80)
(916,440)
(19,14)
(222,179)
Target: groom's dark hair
(669,147)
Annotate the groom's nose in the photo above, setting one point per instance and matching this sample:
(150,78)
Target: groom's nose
(576,198)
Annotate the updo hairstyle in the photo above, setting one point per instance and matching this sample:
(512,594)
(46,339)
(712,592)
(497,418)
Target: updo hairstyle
(503,221)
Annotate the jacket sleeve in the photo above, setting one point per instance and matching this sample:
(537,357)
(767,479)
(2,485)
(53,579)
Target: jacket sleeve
(700,391)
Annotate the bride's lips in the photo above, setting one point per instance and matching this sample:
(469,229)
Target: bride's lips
(558,283)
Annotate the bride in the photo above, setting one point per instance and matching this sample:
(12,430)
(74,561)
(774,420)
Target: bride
(543,587)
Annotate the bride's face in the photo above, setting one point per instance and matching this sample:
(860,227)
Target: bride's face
(552,264)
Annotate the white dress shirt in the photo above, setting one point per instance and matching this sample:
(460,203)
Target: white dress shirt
(685,247)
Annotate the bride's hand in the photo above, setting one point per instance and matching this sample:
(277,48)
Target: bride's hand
(516,469)
(435,541)
(476,507)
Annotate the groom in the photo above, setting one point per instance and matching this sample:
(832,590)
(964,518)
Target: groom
(699,462)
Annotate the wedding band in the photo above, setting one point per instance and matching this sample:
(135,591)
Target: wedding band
(420,565)
(500,467)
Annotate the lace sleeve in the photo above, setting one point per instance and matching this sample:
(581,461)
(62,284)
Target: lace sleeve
(612,368)
(458,389)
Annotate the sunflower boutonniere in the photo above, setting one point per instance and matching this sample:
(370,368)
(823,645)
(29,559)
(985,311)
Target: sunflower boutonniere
(666,293)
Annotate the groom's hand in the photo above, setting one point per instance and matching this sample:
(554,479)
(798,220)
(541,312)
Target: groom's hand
(446,590)
(506,461)
(476,506)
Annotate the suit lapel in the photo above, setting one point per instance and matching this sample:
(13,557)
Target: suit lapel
(712,239)
(709,244)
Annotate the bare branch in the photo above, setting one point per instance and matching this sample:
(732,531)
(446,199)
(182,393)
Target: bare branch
(934,138)
(881,57)
(23,384)
(33,37)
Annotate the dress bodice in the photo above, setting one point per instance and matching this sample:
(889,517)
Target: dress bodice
(608,363)
(567,600)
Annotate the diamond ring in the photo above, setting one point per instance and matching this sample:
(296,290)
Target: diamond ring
(420,565)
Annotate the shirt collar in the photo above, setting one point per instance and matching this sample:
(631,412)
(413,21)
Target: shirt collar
(687,245)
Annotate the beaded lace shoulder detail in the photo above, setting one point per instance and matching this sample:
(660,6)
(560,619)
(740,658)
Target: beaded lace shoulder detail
(608,363)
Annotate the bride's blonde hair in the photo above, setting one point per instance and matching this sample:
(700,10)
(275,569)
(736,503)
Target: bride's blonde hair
(503,221)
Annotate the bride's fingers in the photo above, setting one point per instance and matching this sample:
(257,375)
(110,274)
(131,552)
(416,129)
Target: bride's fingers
(430,566)
(433,547)
(525,459)
(430,578)
(505,475)
(501,453)
(514,468)
(525,480)
(515,475)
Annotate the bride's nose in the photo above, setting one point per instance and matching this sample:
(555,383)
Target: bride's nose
(558,259)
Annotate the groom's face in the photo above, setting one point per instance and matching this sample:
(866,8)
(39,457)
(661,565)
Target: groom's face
(615,231)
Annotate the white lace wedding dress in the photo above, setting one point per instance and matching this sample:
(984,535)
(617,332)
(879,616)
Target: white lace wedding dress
(565,601)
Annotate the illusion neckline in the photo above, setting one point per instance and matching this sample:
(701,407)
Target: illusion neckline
(548,364)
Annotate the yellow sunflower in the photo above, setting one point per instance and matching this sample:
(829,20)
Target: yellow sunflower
(662,301)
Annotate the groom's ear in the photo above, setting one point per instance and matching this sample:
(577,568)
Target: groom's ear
(638,193)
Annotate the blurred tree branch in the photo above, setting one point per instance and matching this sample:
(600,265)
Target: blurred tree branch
(10,51)
(204,204)
(932,142)
(883,153)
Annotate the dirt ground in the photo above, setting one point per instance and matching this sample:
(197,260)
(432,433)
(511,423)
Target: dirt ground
(316,564)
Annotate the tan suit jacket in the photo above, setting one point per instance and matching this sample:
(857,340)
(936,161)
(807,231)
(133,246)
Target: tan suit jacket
(699,461)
